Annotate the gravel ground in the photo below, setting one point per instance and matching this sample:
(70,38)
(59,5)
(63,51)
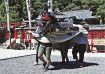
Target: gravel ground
(24,65)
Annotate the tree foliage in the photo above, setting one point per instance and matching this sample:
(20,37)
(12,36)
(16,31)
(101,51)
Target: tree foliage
(18,9)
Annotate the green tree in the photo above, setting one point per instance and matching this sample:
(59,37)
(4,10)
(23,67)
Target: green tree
(2,12)
(18,9)
(101,13)
(71,6)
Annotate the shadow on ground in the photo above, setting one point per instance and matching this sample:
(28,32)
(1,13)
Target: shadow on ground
(70,65)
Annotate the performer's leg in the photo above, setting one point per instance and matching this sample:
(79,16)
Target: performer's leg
(41,52)
(47,56)
(81,54)
(74,52)
(63,56)
(66,55)
(36,62)
(37,52)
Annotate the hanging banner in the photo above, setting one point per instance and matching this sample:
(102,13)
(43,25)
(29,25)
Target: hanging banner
(49,5)
(7,13)
(29,12)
